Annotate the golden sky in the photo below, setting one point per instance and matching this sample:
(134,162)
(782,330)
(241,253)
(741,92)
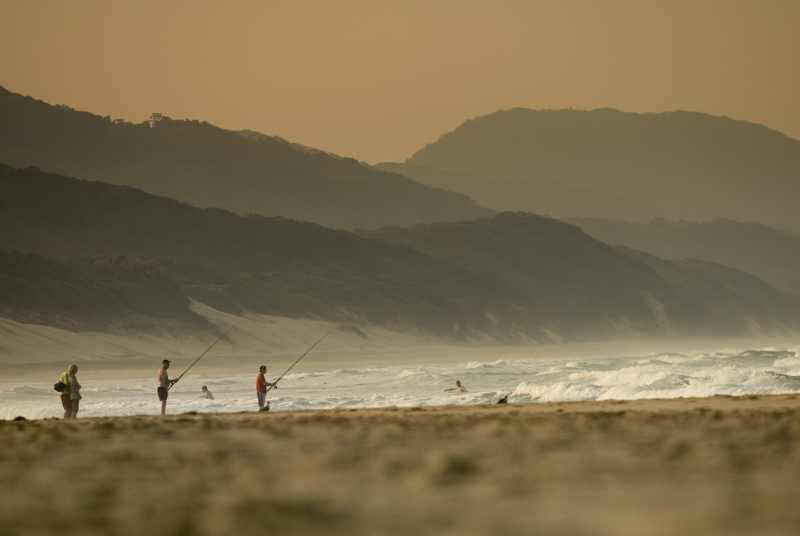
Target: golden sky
(377,79)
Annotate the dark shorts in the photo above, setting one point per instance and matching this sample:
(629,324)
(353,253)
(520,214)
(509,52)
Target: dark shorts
(162,393)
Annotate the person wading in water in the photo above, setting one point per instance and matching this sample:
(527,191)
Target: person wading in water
(164,383)
(458,388)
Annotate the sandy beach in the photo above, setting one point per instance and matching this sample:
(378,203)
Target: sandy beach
(719,465)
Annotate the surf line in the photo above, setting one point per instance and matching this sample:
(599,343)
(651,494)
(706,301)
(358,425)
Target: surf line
(296,361)
(201,356)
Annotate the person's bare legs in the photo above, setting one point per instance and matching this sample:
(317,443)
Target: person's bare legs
(163,407)
(67,404)
(75,406)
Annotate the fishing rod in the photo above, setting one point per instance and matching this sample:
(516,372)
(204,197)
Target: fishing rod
(296,361)
(193,363)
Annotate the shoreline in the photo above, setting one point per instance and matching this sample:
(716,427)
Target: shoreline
(715,402)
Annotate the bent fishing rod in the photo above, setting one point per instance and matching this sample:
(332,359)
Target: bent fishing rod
(296,361)
(197,360)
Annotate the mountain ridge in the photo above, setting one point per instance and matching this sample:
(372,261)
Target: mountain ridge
(771,254)
(512,277)
(607,163)
(208,166)
(565,271)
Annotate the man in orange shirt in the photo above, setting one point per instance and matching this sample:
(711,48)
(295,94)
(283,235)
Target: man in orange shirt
(261,388)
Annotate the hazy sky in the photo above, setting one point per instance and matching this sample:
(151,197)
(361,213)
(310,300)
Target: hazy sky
(378,79)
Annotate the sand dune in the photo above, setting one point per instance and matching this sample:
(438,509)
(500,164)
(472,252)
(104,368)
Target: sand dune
(691,466)
(253,334)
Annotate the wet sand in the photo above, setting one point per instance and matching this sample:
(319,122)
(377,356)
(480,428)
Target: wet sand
(692,466)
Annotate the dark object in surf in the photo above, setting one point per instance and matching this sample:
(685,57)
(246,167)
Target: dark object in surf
(265,408)
(503,400)
(20,418)
(60,386)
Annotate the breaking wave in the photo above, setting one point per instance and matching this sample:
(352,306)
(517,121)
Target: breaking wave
(664,375)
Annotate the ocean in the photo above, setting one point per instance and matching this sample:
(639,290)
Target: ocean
(759,371)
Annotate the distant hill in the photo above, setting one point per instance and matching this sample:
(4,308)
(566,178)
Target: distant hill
(513,277)
(611,164)
(239,264)
(557,268)
(725,296)
(96,294)
(771,254)
(199,163)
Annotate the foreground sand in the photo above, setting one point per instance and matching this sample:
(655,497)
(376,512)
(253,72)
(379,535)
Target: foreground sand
(695,466)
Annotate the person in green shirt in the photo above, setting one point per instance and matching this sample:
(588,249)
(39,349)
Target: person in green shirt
(71,395)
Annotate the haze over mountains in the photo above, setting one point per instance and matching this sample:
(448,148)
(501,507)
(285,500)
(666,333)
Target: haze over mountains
(771,254)
(230,220)
(559,269)
(611,164)
(513,277)
(207,166)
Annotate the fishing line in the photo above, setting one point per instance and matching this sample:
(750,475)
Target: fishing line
(296,361)
(193,363)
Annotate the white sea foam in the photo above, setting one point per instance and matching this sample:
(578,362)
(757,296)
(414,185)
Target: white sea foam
(759,371)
